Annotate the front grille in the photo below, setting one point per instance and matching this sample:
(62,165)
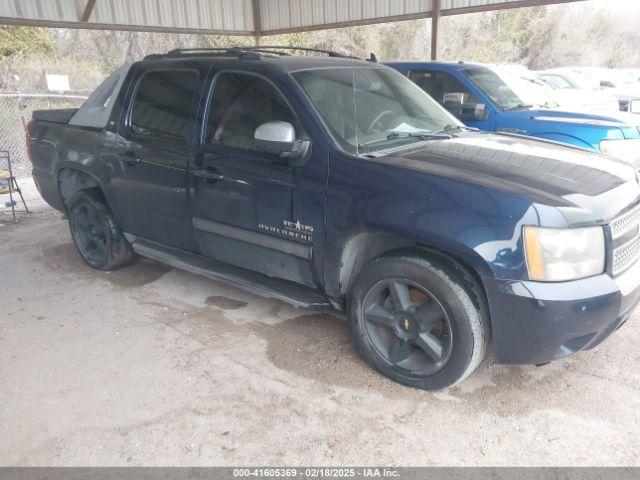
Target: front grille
(624,223)
(625,256)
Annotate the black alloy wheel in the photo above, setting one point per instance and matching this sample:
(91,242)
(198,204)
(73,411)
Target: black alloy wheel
(419,318)
(96,235)
(90,233)
(407,326)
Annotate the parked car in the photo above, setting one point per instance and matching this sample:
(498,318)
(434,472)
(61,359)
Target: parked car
(566,97)
(481,98)
(331,182)
(624,86)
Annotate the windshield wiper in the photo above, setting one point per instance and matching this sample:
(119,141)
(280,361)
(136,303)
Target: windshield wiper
(420,136)
(448,128)
(425,135)
(520,106)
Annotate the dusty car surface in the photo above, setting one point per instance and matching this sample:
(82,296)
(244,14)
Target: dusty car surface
(331,182)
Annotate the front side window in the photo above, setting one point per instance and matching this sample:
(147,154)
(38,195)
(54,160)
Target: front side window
(368,109)
(163,104)
(240,103)
(495,88)
(447,90)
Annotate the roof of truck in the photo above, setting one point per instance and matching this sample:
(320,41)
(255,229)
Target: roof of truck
(288,64)
(268,55)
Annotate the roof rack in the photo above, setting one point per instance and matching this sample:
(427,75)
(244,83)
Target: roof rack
(270,48)
(254,53)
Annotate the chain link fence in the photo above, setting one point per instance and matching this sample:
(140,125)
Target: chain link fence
(15,113)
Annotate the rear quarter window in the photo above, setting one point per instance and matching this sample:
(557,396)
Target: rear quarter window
(163,103)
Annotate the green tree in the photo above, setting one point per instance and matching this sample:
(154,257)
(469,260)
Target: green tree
(23,41)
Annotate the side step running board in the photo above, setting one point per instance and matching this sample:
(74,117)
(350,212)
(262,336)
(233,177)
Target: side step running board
(268,287)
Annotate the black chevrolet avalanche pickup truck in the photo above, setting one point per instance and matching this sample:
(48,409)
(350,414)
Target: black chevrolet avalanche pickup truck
(332,182)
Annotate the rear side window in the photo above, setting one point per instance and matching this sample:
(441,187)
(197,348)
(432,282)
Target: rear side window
(240,103)
(96,110)
(163,104)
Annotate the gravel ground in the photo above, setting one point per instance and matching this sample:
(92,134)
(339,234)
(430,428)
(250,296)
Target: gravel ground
(153,366)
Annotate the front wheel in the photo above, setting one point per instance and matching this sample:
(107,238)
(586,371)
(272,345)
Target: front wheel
(96,235)
(419,322)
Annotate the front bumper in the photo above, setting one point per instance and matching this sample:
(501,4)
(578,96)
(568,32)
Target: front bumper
(536,322)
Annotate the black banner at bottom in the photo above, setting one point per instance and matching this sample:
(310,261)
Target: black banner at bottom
(224,473)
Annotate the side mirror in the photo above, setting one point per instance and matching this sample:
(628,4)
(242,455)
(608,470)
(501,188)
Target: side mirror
(454,102)
(279,138)
(474,111)
(634,106)
(607,84)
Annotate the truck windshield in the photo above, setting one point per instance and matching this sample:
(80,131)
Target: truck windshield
(368,109)
(506,90)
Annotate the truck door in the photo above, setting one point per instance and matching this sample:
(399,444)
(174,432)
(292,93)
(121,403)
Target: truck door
(251,208)
(456,97)
(150,179)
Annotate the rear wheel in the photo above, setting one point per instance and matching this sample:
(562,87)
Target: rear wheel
(417,321)
(96,235)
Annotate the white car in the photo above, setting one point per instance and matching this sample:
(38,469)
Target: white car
(623,85)
(575,99)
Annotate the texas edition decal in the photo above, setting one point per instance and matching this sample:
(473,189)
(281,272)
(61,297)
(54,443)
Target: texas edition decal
(294,230)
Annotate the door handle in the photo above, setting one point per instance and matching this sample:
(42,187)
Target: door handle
(132,160)
(208,174)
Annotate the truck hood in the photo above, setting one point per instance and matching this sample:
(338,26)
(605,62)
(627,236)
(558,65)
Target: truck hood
(610,120)
(612,125)
(591,102)
(626,92)
(586,186)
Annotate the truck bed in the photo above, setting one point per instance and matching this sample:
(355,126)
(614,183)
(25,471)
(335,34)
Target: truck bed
(61,115)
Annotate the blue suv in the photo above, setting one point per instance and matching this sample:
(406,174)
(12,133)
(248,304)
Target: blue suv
(331,182)
(482,97)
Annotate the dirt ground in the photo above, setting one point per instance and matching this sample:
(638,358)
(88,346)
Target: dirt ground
(154,366)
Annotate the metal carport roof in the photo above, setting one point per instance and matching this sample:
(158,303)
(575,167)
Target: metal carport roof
(255,18)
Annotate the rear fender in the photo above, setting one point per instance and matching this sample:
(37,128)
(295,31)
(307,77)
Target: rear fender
(71,181)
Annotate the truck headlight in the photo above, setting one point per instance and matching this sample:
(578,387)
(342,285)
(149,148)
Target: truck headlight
(627,150)
(634,106)
(560,254)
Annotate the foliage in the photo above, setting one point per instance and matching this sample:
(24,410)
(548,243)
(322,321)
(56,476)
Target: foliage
(23,40)
(591,33)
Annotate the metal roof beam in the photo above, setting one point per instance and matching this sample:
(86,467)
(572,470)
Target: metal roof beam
(257,21)
(88,8)
(417,16)
(346,24)
(503,6)
(12,14)
(123,28)
(435,17)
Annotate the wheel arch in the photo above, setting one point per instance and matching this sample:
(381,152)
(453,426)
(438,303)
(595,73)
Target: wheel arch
(363,248)
(71,180)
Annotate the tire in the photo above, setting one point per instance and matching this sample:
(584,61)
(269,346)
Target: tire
(431,336)
(97,237)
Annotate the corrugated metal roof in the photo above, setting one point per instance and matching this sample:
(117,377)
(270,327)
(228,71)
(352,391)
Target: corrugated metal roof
(471,4)
(286,14)
(219,16)
(236,15)
(233,16)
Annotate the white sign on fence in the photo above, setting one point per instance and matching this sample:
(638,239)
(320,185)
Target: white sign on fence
(57,83)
